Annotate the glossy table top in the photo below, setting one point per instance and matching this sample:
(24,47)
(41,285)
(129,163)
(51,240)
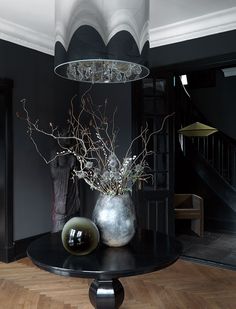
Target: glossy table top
(147,252)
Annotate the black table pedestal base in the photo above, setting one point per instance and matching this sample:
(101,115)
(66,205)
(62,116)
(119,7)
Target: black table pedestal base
(140,256)
(106,294)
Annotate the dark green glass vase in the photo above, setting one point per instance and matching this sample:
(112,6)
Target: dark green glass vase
(80,236)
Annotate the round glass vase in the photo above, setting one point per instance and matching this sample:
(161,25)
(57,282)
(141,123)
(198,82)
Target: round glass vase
(80,236)
(115,218)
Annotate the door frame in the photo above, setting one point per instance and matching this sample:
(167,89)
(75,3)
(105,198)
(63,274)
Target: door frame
(6,172)
(137,116)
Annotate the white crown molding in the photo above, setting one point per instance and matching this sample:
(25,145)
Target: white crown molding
(193,28)
(208,24)
(26,37)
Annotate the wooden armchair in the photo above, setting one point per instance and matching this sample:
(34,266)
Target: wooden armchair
(190,206)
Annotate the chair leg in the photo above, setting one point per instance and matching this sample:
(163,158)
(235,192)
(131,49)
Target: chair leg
(197,226)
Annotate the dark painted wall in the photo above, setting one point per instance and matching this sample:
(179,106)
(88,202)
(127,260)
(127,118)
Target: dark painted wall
(47,99)
(204,51)
(217,103)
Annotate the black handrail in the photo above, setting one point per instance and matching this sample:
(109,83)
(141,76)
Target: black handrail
(218,149)
(219,153)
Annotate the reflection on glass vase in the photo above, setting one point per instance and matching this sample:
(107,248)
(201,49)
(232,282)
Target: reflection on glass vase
(115,218)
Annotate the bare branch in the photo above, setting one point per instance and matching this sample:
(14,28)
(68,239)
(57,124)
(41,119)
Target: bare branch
(91,138)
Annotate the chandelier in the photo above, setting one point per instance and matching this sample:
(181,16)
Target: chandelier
(99,41)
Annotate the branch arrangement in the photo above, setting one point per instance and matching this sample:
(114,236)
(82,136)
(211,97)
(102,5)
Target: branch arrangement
(93,144)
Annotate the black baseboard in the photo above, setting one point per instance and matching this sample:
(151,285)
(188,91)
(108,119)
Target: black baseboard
(18,251)
(208,262)
(22,245)
(7,254)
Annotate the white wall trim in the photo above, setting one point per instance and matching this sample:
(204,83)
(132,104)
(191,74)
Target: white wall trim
(26,37)
(208,24)
(193,28)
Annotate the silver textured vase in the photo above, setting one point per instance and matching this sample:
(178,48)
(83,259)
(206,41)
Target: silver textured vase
(115,218)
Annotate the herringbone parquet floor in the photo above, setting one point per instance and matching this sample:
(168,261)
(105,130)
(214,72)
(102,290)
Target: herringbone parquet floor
(184,285)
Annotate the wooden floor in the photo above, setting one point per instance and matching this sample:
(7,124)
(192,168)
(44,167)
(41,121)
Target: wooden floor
(184,285)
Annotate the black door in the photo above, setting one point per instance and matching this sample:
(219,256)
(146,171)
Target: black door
(152,102)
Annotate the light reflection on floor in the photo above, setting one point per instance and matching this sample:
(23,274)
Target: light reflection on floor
(214,247)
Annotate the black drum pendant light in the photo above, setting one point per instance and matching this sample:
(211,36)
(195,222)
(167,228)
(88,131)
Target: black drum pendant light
(102,41)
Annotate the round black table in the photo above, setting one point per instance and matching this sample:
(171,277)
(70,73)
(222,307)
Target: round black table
(147,252)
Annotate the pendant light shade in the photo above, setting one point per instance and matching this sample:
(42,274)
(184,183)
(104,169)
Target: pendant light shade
(102,41)
(197,129)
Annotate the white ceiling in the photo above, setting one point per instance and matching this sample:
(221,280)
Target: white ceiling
(164,12)
(31,22)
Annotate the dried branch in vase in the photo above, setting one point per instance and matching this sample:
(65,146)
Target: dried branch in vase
(94,145)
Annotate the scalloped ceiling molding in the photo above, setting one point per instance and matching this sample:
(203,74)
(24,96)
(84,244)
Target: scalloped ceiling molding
(193,28)
(71,16)
(213,23)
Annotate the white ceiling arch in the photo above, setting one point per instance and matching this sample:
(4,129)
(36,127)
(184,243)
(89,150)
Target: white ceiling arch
(31,22)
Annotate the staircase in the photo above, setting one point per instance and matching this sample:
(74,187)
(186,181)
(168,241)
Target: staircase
(219,152)
(213,161)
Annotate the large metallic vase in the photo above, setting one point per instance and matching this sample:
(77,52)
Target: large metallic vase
(115,219)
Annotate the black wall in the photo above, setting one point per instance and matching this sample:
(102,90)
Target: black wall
(47,99)
(217,103)
(212,50)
